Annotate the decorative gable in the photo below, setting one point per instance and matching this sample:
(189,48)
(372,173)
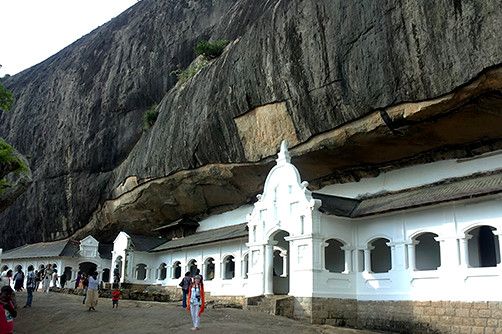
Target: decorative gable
(285,204)
(89,247)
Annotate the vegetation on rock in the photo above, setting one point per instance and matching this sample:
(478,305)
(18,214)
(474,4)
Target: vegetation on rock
(150,116)
(206,51)
(211,50)
(9,162)
(6,98)
(191,71)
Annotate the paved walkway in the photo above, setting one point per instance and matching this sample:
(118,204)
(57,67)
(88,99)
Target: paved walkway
(60,313)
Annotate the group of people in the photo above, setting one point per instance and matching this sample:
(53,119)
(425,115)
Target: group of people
(193,296)
(192,286)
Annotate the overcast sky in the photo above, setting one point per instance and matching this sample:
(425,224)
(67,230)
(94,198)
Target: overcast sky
(33,30)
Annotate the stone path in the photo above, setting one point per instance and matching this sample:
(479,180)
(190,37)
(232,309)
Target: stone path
(60,313)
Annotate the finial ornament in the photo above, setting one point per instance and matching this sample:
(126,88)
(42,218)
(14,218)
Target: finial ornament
(283,157)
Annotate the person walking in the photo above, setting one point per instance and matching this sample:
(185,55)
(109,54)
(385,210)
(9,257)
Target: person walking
(6,277)
(39,276)
(30,285)
(47,278)
(196,301)
(19,279)
(185,284)
(7,310)
(92,291)
(55,278)
(116,296)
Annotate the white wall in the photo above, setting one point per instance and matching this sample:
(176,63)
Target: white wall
(217,251)
(417,175)
(234,217)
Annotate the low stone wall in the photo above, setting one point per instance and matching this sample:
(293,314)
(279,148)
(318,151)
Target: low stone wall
(159,294)
(403,316)
(136,292)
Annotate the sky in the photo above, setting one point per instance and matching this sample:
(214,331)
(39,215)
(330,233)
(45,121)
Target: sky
(33,30)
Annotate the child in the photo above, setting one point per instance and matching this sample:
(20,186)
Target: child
(7,310)
(115,296)
(196,301)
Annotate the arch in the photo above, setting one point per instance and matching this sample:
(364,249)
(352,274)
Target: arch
(380,255)
(427,251)
(482,246)
(209,269)
(141,271)
(192,267)
(117,271)
(66,276)
(334,256)
(105,277)
(228,271)
(176,270)
(281,262)
(87,267)
(162,271)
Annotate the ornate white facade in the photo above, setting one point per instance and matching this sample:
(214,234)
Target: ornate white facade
(433,251)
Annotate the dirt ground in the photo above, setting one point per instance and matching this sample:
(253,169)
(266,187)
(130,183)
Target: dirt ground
(61,313)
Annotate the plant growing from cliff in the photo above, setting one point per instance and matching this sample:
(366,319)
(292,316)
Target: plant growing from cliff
(9,162)
(6,98)
(211,50)
(191,71)
(150,116)
(205,51)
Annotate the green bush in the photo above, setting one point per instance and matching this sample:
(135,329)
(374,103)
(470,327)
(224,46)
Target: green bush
(150,116)
(211,50)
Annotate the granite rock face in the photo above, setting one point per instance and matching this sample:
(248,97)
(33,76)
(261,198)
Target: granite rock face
(314,66)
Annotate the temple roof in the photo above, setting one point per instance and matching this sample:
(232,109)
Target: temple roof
(205,237)
(453,189)
(66,247)
(144,243)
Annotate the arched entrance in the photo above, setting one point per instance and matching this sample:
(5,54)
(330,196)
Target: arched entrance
(277,273)
(106,275)
(87,267)
(117,271)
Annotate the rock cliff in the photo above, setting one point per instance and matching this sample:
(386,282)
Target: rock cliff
(355,86)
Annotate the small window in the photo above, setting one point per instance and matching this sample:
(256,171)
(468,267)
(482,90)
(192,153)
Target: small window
(192,267)
(380,256)
(209,269)
(229,267)
(162,271)
(427,253)
(141,272)
(176,269)
(334,256)
(483,247)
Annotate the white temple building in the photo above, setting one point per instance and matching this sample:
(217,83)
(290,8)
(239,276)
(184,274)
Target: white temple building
(427,232)
(69,256)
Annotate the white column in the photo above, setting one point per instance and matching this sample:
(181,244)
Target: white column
(412,255)
(284,256)
(367,258)
(348,259)
(269,269)
(464,250)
